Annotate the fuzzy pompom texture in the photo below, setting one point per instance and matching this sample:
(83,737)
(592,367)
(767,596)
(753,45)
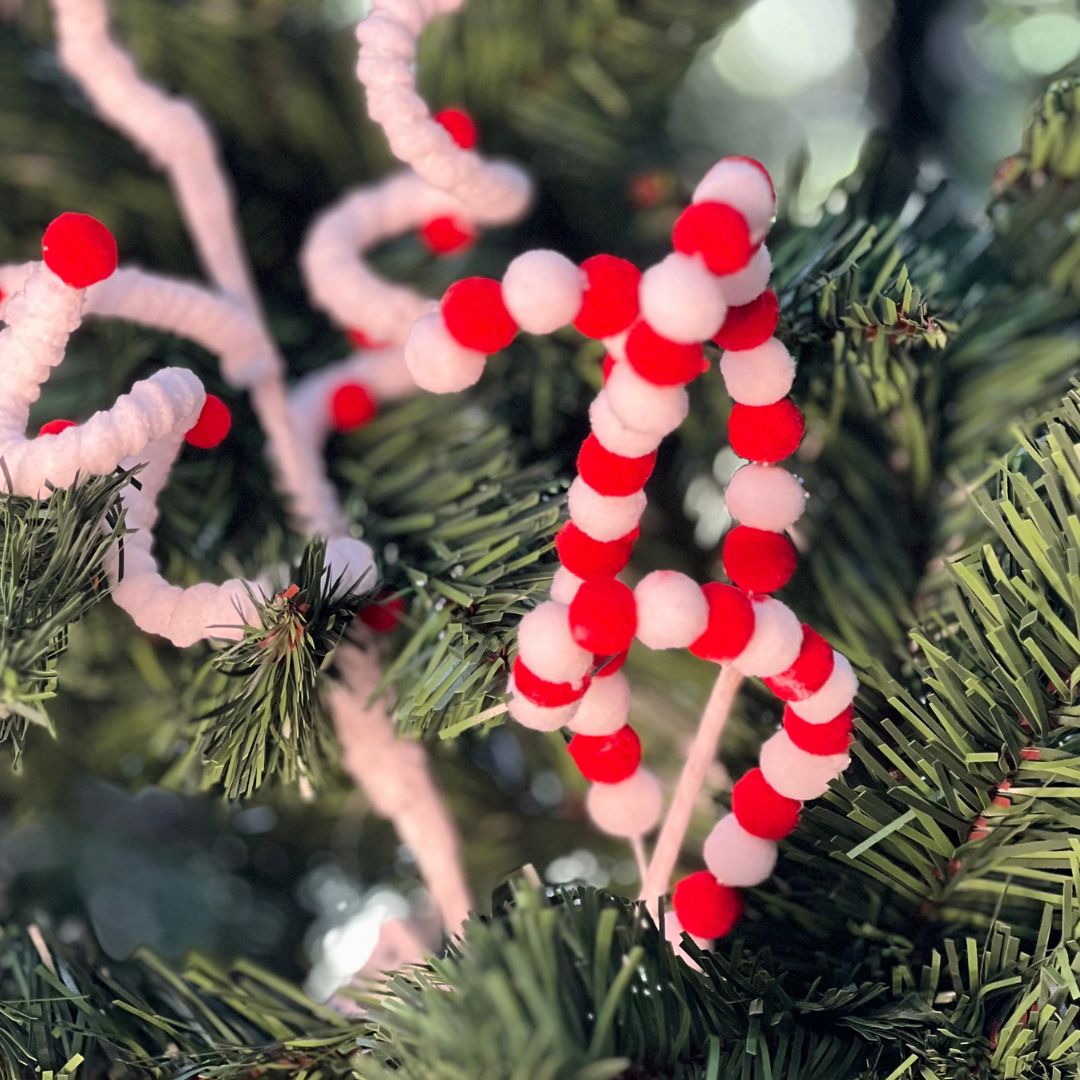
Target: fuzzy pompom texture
(833,737)
(616,436)
(704,907)
(460,125)
(605,707)
(749,283)
(604,517)
(542,692)
(737,857)
(564,585)
(610,301)
(79,250)
(794,773)
(765,497)
(808,674)
(660,360)
(743,183)
(476,315)
(775,643)
(586,557)
(729,624)
(603,616)
(352,406)
(214,423)
(612,474)
(761,810)
(757,560)
(538,717)
(607,759)
(672,612)
(766,433)
(627,809)
(542,291)
(835,695)
(642,406)
(436,361)
(446,235)
(758,376)
(750,325)
(548,648)
(717,233)
(681,300)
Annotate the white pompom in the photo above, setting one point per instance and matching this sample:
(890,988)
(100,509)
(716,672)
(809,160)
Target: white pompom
(436,361)
(604,517)
(672,611)
(564,586)
(614,435)
(744,186)
(835,695)
(537,717)
(775,643)
(765,497)
(547,647)
(604,707)
(642,406)
(629,808)
(736,857)
(542,290)
(759,376)
(681,300)
(794,773)
(750,282)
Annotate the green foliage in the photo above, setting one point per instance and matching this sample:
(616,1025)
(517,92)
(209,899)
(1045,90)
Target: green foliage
(262,714)
(51,574)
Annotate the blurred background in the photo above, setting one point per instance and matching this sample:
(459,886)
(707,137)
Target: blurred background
(617,107)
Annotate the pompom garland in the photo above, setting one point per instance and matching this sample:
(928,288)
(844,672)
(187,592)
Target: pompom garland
(809,672)
(446,234)
(476,315)
(757,560)
(716,232)
(610,301)
(542,692)
(460,124)
(607,759)
(832,737)
(54,427)
(212,426)
(705,907)
(749,325)
(352,406)
(729,623)
(761,810)
(603,616)
(767,433)
(661,361)
(608,473)
(760,374)
(79,250)
(586,557)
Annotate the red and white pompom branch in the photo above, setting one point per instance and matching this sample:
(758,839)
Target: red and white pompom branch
(713,286)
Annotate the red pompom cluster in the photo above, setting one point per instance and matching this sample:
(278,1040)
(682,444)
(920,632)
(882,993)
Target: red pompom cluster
(610,301)
(812,667)
(766,433)
(79,250)
(718,233)
(54,427)
(352,406)
(607,759)
(761,810)
(610,474)
(476,316)
(663,362)
(587,558)
(750,325)
(757,560)
(704,907)
(446,234)
(833,737)
(213,424)
(460,124)
(603,616)
(539,691)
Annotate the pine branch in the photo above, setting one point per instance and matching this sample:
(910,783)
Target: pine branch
(51,575)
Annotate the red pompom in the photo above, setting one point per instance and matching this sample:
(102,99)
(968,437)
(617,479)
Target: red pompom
(704,907)
(352,406)
(750,325)
(359,340)
(587,558)
(833,737)
(730,626)
(760,168)
(757,560)
(767,433)
(79,250)
(445,235)
(382,616)
(611,474)
(761,810)
(610,302)
(717,232)
(476,316)
(603,616)
(607,759)
(663,362)
(606,366)
(539,691)
(460,124)
(54,427)
(608,665)
(812,667)
(213,424)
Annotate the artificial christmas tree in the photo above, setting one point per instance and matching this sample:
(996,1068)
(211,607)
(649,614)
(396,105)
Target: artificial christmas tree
(386,563)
